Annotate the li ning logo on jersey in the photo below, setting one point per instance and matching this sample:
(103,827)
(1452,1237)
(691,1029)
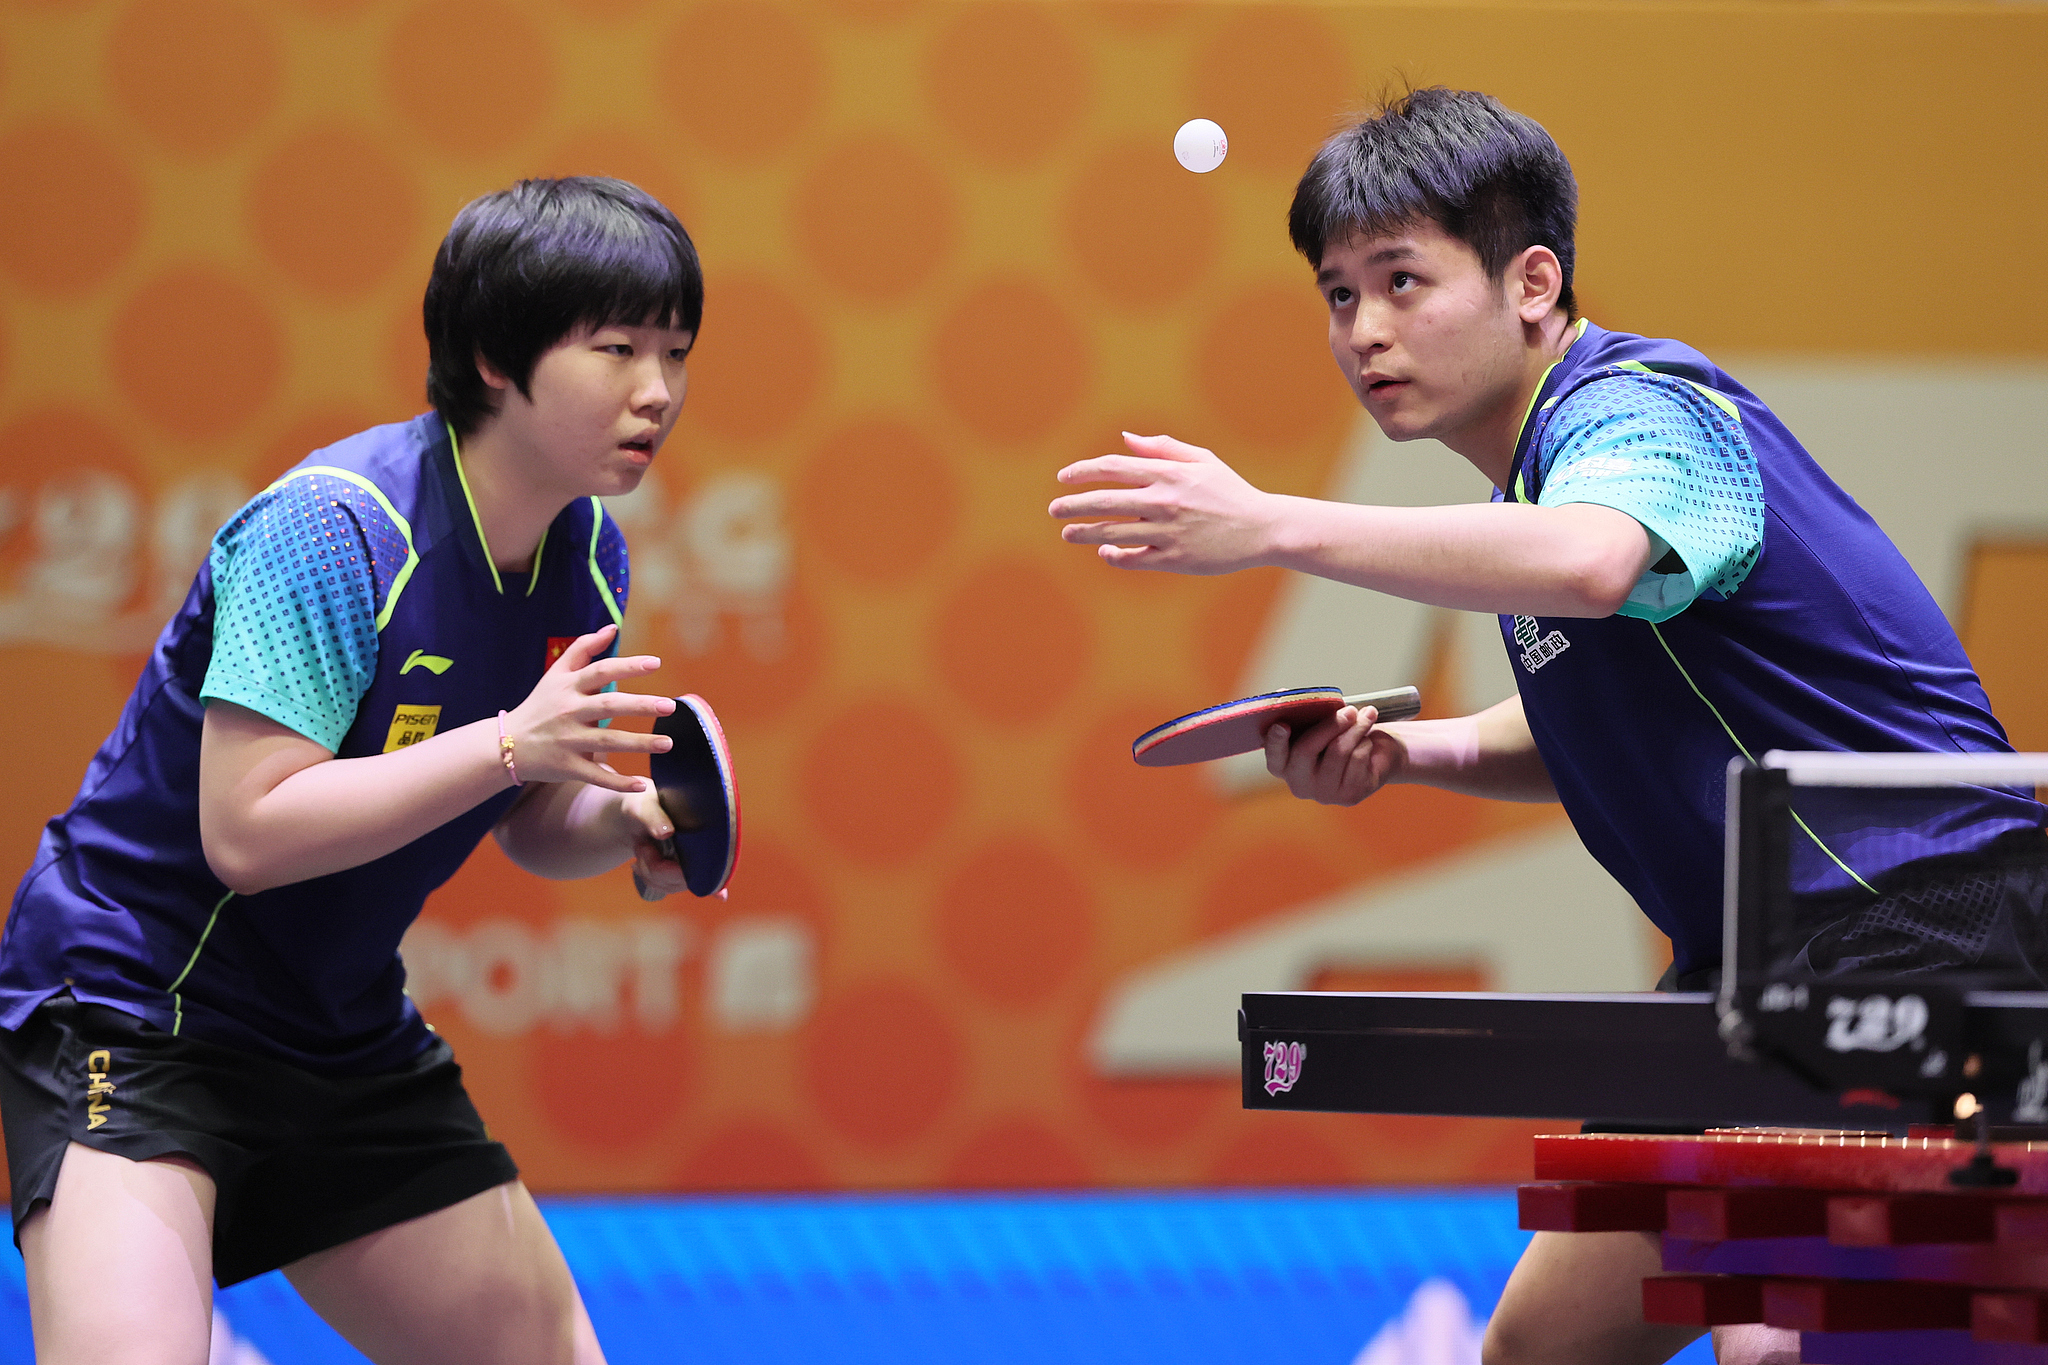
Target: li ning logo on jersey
(98,1087)
(1536,651)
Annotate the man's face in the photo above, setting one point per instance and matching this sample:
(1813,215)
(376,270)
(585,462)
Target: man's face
(1427,341)
(603,401)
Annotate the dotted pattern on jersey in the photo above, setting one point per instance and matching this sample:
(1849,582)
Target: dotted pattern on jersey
(1654,447)
(299,575)
(609,559)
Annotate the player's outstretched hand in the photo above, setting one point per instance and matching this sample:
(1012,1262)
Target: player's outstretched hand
(555,732)
(1339,761)
(1178,507)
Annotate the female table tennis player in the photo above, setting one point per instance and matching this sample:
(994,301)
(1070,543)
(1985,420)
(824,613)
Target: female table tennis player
(210,1067)
(1678,583)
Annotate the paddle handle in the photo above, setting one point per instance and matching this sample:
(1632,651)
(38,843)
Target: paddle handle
(1395,703)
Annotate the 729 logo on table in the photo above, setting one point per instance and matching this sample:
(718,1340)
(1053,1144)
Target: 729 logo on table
(1283,1065)
(1876,1023)
(1846,1034)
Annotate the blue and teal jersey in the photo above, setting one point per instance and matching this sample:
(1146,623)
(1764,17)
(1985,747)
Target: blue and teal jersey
(354,601)
(1775,615)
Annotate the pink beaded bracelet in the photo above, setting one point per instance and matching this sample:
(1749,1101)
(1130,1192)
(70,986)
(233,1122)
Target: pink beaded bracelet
(505,751)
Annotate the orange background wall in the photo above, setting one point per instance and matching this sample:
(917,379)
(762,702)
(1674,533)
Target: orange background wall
(948,251)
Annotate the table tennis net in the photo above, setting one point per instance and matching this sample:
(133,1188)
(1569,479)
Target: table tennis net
(1903,864)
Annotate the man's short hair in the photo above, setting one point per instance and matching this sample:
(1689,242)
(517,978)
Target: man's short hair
(523,268)
(1490,177)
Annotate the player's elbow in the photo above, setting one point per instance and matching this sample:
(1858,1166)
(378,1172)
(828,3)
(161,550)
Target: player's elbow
(1596,555)
(235,856)
(520,848)
(238,867)
(1597,582)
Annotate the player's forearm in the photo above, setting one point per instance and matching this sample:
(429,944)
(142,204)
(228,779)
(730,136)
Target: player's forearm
(1576,560)
(1490,754)
(341,813)
(565,831)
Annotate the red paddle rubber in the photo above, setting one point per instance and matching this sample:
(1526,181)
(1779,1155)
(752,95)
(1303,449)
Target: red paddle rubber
(1239,727)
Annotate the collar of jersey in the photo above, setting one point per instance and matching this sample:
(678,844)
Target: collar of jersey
(533,577)
(1522,433)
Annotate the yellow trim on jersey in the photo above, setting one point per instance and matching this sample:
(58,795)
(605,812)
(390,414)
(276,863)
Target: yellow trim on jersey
(455,447)
(604,589)
(178,1001)
(1743,749)
(412,556)
(1714,396)
(1520,491)
(533,576)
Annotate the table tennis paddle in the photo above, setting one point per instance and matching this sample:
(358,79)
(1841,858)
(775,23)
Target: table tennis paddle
(694,782)
(1239,727)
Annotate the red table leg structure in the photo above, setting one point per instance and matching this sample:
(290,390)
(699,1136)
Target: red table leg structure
(1860,1242)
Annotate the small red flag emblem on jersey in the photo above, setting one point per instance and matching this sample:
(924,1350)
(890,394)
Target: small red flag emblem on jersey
(556,644)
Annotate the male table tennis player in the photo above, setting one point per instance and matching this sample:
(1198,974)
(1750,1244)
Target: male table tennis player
(211,1067)
(1677,583)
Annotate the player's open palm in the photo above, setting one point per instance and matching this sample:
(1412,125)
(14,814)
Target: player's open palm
(1178,507)
(1339,761)
(558,731)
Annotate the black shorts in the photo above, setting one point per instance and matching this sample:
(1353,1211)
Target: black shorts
(300,1161)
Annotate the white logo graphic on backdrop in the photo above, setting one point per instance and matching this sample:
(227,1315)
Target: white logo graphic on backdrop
(723,552)
(509,978)
(1537,912)
(106,566)
(763,975)
(1436,1328)
(226,1348)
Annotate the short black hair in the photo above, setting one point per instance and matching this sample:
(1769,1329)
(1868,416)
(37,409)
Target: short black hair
(523,268)
(1486,175)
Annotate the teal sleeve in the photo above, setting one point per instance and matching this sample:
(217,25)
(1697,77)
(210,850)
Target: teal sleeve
(295,613)
(1653,446)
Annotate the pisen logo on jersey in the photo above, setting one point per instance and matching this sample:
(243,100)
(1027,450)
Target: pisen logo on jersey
(98,1087)
(1283,1065)
(410,725)
(1538,651)
(556,644)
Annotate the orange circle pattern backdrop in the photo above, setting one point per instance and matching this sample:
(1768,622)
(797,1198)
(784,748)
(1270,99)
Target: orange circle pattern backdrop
(947,252)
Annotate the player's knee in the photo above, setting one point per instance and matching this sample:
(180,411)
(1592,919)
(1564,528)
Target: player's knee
(561,1322)
(1526,1333)
(533,1324)
(1506,1343)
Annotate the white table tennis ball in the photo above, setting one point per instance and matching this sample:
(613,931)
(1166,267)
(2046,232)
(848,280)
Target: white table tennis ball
(1200,145)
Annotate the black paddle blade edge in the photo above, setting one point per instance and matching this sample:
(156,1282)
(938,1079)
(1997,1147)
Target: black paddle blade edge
(693,781)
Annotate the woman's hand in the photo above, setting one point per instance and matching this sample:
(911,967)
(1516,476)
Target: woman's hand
(648,827)
(556,732)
